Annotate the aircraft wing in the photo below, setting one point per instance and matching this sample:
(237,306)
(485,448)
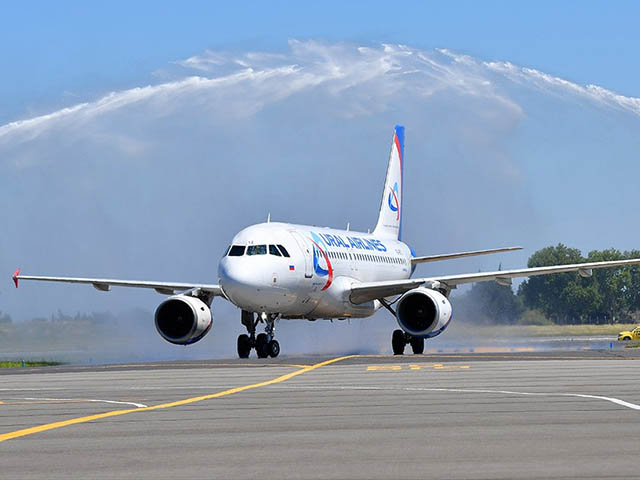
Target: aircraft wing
(365,292)
(450,256)
(105,284)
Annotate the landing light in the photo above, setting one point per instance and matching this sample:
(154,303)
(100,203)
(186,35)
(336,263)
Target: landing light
(585,272)
(504,281)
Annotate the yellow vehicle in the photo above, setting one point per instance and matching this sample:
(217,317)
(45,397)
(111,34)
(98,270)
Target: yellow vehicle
(630,335)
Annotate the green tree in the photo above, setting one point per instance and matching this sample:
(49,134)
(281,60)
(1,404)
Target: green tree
(613,285)
(549,293)
(633,295)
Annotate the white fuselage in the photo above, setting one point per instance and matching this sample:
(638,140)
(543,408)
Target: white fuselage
(314,280)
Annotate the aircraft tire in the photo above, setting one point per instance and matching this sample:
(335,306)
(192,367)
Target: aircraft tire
(273,347)
(244,346)
(262,345)
(398,342)
(417,345)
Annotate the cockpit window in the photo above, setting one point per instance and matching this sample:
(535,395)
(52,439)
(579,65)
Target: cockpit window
(274,251)
(236,251)
(257,250)
(283,250)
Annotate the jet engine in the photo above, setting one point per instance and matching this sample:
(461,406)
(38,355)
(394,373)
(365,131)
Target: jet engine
(183,320)
(423,312)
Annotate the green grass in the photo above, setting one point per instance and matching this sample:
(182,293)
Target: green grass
(577,330)
(27,363)
(550,330)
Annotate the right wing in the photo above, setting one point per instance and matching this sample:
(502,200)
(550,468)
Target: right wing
(105,284)
(365,292)
(449,256)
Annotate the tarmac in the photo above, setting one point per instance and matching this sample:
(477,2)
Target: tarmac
(456,416)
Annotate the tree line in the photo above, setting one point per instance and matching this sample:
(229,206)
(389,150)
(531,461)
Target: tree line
(610,295)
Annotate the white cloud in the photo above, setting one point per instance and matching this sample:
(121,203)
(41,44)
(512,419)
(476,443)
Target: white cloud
(382,70)
(549,84)
(265,78)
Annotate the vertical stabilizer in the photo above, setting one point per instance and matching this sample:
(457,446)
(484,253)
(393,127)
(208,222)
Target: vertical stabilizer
(390,217)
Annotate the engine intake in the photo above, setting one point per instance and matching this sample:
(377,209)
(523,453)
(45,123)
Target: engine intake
(183,320)
(423,312)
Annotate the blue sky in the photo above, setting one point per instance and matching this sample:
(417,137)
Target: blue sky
(136,139)
(52,51)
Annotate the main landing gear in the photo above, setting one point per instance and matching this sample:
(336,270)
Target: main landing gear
(399,340)
(265,343)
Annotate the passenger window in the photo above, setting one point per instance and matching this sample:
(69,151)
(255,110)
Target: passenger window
(274,251)
(236,251)
(257,250)
(283,250)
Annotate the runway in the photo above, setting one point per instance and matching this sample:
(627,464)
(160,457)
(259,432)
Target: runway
(491,415)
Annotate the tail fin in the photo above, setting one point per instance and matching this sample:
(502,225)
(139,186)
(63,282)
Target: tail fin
(389,224)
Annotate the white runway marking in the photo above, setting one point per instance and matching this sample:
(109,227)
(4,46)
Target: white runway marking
(138,405)
(614,400)
(617,401)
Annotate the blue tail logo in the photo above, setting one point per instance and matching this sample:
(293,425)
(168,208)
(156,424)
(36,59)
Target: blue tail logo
(394,205)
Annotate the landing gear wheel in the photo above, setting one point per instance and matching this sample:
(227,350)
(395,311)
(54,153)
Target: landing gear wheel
(417,345)
(262,345)
(244,346)
(398,342)
(273,347)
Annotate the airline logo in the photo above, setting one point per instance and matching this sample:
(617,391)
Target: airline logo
(321,263)
(393,202)
(333,240)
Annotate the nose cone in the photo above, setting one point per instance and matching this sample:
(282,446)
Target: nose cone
(243,283)
(251,284)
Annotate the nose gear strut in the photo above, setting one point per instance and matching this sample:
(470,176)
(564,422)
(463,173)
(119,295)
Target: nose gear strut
(265,343)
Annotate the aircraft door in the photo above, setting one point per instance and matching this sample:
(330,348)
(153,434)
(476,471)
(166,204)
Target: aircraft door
(305,247)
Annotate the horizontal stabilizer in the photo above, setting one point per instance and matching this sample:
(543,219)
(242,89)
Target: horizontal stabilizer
(451,256)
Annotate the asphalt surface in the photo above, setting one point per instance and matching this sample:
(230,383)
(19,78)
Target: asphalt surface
(482,415)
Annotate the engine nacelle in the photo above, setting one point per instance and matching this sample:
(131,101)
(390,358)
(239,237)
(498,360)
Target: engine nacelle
(423,312)
(183,320)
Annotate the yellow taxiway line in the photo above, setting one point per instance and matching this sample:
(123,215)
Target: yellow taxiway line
(73,421)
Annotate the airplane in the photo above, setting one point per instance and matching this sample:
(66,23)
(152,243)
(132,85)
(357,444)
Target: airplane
(274,271)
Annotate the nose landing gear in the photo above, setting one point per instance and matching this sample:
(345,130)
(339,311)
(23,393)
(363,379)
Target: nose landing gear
(264,343)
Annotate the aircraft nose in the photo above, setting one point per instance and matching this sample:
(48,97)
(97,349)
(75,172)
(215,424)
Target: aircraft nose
(241,284)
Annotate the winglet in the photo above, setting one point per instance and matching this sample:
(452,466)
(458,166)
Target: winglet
(15,277)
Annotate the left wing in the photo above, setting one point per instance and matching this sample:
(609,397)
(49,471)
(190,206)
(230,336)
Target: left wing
(105,284)
(365,292)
